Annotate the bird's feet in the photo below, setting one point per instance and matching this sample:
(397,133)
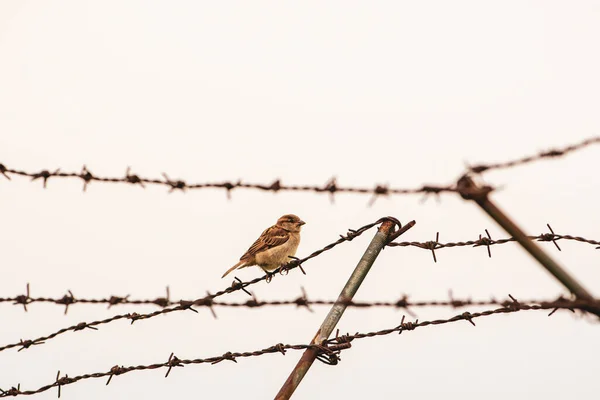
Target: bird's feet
(269,276)
(293,263)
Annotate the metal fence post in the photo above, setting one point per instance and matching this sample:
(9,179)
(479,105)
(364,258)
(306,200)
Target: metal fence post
(384,234)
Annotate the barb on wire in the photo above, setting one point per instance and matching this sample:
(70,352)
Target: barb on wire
(329,350)
(183,305)
(331,187)
(487,241)
(477,169)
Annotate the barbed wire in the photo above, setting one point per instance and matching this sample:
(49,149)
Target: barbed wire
(487,241)
(207,301)
(300,301)
(331,186)
(329,350)
(69,299)
(554,153)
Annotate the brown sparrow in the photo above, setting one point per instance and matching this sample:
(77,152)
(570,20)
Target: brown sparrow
(274,246)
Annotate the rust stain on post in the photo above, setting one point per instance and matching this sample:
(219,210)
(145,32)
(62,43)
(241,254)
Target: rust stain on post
(382,237)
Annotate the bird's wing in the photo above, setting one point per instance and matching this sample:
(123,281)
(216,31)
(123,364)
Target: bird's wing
(271,237)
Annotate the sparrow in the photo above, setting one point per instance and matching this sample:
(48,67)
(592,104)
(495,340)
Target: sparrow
(274,246)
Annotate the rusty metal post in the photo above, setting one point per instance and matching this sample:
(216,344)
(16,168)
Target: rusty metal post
(471,191)
(382,237)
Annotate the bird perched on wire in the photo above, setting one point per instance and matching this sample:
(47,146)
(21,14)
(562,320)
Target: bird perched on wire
(274,247)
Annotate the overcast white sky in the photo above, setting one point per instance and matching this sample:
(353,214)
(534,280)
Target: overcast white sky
(401,93)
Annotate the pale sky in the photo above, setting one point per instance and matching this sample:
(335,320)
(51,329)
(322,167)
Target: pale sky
(397,93)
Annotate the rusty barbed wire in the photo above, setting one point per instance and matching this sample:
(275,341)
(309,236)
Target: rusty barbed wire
(183,305)
(479,168)
(487,241)
(331,186)
(329,350)
(300,301)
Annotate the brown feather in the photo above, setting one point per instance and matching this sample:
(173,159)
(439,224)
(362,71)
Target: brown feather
(271,237)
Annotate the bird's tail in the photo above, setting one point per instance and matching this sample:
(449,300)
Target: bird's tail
(240,264)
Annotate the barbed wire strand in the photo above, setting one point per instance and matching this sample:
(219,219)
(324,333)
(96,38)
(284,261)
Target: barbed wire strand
(554,153)
(328,351)
(207,301)
(487,241)
(331,186)
(301,301)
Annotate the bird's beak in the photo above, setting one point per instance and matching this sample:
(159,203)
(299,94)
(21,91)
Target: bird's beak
(300,223)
